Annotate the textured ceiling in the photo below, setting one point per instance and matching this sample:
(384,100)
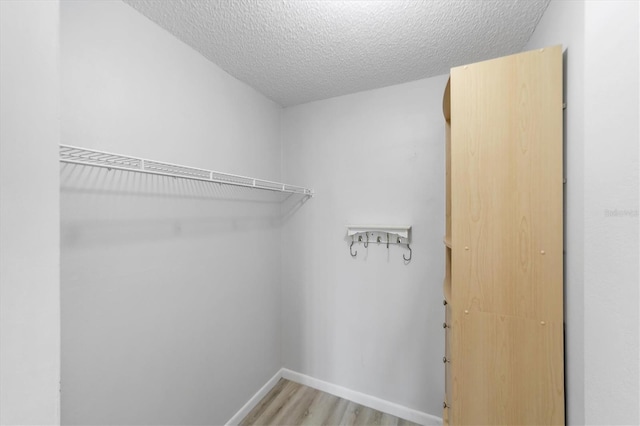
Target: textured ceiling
(301,51)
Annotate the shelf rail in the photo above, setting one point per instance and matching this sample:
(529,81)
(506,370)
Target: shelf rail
(91,157)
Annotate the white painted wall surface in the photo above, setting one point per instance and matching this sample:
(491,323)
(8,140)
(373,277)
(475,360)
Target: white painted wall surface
(371,324)
(612,107)
(563,23)
(29,213)
(170,288)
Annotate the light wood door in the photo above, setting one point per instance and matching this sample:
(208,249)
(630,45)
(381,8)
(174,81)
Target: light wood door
(506,239)
(509,371)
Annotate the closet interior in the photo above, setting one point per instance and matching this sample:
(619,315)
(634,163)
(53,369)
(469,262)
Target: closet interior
(190,268)
(319,212)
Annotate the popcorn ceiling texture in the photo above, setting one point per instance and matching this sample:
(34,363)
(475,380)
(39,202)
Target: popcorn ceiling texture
(301,51)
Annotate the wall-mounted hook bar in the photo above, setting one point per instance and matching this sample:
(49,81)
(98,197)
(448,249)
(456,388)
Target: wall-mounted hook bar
(380,234)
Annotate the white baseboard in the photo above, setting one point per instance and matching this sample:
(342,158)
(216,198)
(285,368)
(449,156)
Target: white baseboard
(357,397)
(364,399)
(254,400)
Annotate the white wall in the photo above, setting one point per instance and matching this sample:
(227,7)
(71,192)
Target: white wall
(612,107)
(29,215)
(601,261)
(371,324)
(563,23)
(170,288)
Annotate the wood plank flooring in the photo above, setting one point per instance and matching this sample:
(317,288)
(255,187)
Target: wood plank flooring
(290,403)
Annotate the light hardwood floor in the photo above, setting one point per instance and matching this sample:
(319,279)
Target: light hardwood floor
(290,403)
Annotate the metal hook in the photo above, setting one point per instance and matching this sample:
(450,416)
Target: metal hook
(352,253)
(410,254)
(367,243)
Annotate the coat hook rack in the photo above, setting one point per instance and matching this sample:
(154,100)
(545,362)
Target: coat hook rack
(381,234)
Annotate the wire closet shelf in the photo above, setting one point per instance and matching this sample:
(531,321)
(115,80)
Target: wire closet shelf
(91,157)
